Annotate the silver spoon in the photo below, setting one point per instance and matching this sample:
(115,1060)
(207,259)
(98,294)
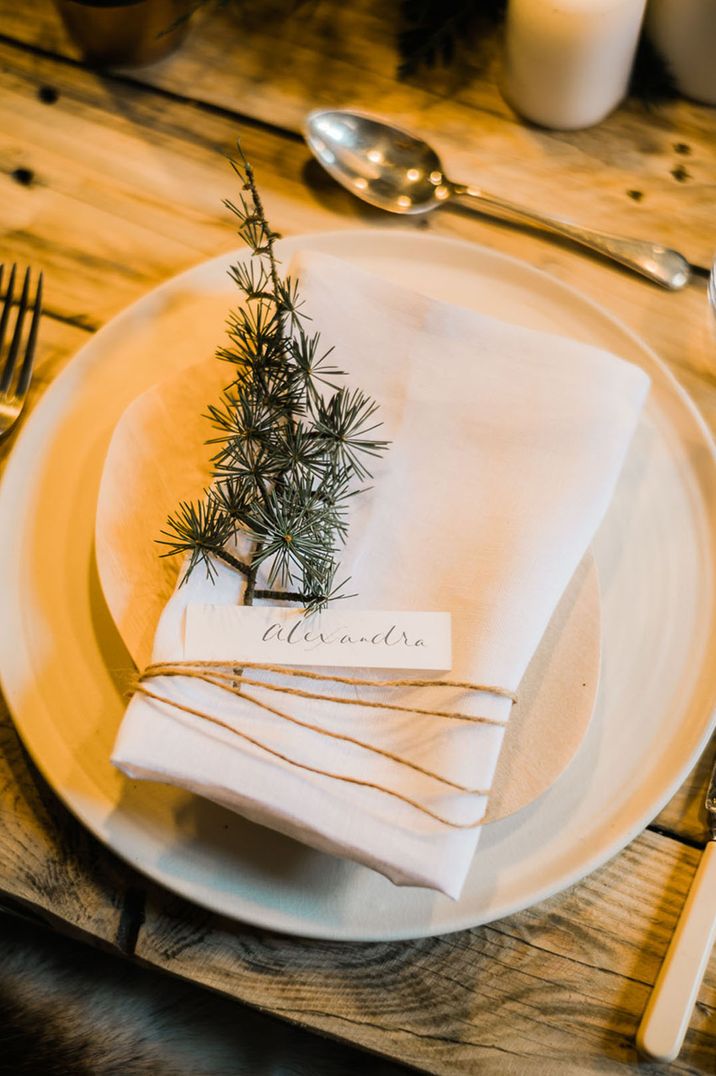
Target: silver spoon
(394,170)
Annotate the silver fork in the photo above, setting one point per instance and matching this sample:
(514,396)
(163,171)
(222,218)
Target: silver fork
(13,383)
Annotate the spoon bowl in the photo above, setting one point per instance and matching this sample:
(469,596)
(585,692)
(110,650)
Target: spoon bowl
(381,164)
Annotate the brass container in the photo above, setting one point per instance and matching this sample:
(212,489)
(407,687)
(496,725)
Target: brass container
(126,33)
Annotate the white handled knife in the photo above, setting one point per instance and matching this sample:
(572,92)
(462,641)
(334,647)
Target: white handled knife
(668,1013)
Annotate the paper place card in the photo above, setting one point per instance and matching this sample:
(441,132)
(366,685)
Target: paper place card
(351,637)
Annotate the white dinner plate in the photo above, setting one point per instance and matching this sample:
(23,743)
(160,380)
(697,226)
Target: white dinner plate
(62,662)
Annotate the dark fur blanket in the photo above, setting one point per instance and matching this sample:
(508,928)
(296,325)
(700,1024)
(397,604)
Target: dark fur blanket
(68,1010)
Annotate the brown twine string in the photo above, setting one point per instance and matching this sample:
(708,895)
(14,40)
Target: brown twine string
(223,675)
(233,689)
(289,670)
(187,668)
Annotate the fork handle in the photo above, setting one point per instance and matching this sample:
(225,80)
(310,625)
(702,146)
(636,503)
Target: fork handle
(668,1013)
(660,264)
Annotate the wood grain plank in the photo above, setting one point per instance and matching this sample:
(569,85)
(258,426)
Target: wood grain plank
(276,67)
(50,864)
(127,189)
(556,989)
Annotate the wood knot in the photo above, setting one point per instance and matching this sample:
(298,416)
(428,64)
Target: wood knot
(24,176)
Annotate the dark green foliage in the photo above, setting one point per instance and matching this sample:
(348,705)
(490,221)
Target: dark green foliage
(201,530)
(439,31)
(292,443)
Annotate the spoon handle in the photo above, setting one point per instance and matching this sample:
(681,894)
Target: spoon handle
(660,264)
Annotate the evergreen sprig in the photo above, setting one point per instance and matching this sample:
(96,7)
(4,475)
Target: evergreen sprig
(293,444)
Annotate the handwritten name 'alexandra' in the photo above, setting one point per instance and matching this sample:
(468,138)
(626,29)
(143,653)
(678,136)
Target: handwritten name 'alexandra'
(300,635)
(344,638)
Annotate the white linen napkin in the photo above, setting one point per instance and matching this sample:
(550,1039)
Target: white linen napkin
(506,447)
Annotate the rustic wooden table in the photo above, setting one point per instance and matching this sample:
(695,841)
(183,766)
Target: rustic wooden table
(113,182)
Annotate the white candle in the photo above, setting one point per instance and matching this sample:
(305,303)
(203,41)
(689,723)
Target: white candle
(567,62)
(684,32)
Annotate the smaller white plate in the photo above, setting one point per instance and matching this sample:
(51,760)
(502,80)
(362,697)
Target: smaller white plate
(158,457)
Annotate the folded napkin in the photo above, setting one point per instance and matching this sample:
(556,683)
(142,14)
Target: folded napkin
(506,447)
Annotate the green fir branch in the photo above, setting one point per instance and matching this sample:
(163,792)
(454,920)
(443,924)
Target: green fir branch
(292,445)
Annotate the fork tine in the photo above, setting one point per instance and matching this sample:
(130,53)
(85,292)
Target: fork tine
(9,367)
(23,381)
(9,294)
